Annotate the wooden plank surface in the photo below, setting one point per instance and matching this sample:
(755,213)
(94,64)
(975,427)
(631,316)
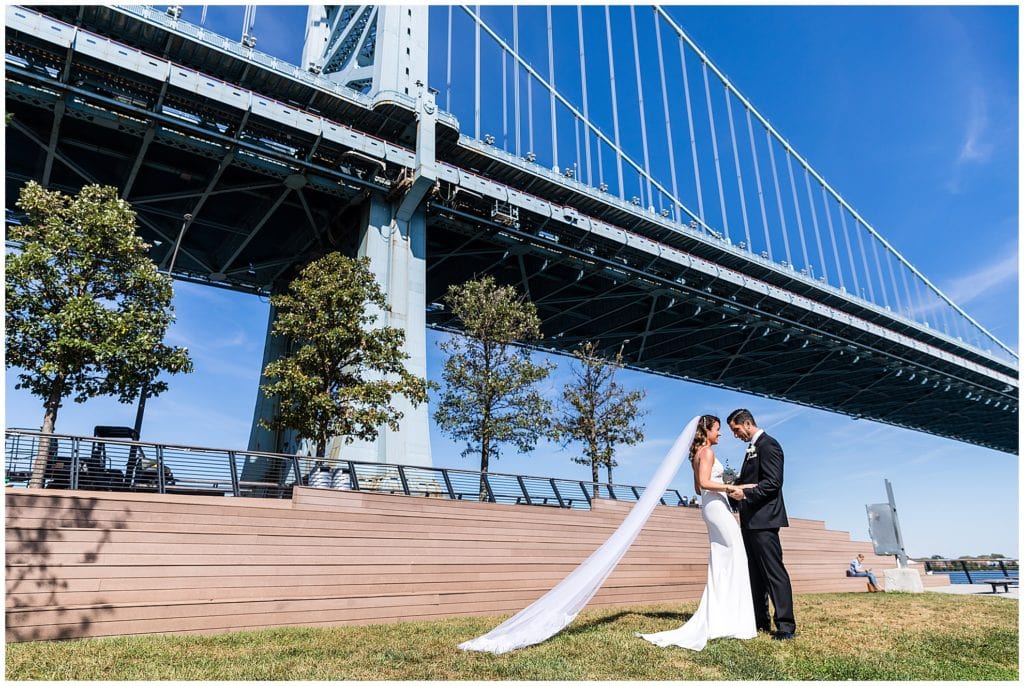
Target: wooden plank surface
(98,564)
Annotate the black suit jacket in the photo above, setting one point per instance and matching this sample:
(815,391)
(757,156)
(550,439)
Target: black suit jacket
(763,508)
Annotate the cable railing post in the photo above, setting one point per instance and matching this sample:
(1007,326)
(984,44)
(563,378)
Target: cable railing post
(405,482)
(487,487)
(522,487)
(448,484)
(1002,567)
(352,478)
(611,492)
(298,470)
(236,489)
(75,463)
(963,565)
(558,495)
(161,487)
(583,487)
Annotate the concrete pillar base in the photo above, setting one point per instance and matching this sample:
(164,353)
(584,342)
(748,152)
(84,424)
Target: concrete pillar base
(903,581)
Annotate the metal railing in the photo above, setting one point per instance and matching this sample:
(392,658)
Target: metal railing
(105,464)
(976,569)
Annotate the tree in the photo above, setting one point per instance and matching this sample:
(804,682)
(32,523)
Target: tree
(342,372)
(490,395)
(87,309)
(597,411)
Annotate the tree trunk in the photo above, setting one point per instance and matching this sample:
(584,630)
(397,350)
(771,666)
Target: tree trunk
(49,421)
(321,448)
(594,475)
(484,457)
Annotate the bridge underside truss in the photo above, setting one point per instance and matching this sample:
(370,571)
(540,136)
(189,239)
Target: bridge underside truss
(268,198)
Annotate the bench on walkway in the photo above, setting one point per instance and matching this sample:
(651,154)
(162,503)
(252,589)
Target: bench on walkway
(1005,583)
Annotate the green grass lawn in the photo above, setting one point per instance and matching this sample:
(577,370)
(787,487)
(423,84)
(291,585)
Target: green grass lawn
(840,636)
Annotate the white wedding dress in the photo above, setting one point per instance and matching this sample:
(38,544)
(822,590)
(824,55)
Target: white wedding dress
(726,609)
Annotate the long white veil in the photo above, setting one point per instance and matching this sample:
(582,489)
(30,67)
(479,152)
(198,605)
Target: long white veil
(553,611)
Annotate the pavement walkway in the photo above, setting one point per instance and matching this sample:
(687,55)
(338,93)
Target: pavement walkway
(975,589)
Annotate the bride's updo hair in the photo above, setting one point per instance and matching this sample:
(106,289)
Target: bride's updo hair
(700,436)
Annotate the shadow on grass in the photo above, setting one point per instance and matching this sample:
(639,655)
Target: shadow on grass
(579,627)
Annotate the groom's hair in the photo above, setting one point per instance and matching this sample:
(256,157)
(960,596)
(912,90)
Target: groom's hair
(741,416)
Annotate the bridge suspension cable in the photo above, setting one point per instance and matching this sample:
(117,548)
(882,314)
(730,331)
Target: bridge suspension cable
(607,115)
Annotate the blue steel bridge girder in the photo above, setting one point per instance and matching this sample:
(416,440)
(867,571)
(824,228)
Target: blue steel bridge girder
(597,269)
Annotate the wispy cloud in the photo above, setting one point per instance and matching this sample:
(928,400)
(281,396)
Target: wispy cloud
(1001,272)
(976,147)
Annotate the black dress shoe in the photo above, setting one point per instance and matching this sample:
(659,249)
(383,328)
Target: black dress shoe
(783,636)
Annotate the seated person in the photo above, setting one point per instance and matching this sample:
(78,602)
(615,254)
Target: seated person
(857,569)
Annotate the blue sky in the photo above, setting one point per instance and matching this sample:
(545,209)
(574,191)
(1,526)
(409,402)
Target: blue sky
(910,113)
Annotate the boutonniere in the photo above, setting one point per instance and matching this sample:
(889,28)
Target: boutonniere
(751,451)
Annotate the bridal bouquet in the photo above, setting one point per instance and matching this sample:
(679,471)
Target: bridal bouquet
(729,475)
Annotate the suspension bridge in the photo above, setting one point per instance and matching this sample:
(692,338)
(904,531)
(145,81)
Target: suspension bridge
(594,156)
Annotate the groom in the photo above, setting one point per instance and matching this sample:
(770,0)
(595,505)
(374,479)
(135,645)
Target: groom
(762,512)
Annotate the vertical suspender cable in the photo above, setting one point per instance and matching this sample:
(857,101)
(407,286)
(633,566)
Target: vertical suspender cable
(778,198)
(739,173)
(796,210)
(864,260)
(832,238)
(583,83)
(906,292)
(892,277)
(668,121)
(881,277)
(849,251)
(576,164)
(921,304)
(448,73)
(529,113)
(476,81)
(814,222)
(649,201)
(551,89)
(615,98)
(714,149)
(760,191)
(693,138)
(517,110)
(504,101)
(943,309)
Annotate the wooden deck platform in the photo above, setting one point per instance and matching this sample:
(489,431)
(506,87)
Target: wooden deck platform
(83,564)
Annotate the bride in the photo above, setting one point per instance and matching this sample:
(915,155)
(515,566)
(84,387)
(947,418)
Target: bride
(726,608)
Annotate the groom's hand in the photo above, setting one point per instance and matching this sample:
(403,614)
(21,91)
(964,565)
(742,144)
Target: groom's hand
(736,493)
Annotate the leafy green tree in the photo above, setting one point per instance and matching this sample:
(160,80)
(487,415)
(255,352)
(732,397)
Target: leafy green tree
(597,411)
(342,372)
(87,309)
(490,391)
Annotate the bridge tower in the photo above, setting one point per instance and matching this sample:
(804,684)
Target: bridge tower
(380,51)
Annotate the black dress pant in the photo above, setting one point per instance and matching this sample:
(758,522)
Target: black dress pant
(769,579)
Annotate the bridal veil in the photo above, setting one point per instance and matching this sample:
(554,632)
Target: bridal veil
(553,611)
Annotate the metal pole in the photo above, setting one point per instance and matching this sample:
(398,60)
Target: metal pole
(902,556)
(177,243)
